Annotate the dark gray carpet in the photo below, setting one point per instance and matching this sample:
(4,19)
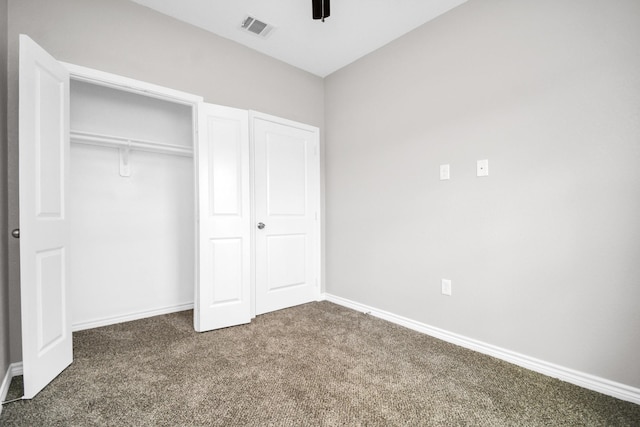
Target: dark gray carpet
(314,365)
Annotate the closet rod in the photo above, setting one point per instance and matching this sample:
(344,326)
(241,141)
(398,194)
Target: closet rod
(91,138)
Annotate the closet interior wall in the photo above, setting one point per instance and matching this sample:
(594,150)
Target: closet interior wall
(132,237)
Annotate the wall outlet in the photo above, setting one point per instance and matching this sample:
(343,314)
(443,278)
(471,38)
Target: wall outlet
(483,167)
(446,287)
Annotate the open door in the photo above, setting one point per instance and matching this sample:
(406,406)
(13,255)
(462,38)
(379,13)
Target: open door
(222,296)
(44,241)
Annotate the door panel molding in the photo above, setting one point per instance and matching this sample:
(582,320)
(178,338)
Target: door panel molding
(223,291)
(44,228)
(286,198)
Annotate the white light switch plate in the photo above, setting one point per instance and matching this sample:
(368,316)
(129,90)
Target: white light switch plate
(446,287)
(444,172)
(483,167)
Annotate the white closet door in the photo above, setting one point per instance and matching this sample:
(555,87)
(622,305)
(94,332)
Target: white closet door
(222,296)
(44,241)
(287,213)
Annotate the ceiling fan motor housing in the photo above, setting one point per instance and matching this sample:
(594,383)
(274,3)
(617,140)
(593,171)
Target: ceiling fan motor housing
(321,9)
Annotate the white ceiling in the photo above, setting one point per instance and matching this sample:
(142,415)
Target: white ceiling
(355,27)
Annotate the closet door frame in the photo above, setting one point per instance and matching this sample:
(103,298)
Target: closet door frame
(117,82)
(126,84)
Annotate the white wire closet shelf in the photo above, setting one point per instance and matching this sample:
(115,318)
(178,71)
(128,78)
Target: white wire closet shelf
(91,138)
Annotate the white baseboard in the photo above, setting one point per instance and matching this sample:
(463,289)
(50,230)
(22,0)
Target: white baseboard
(16,369)
(13,370)
(4,386)
(129,317)
(588,381)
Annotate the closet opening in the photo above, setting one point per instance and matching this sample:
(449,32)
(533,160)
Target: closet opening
(131,205)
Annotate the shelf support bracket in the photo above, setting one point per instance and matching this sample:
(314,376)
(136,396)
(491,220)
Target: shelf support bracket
(125,165)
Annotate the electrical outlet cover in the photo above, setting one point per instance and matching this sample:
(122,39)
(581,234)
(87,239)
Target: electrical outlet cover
(483,167)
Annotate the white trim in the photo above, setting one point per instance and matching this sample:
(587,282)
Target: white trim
(252,213)
(129,317)
(253,114)
(127,84)
(16,369)
(582,379)
(13,370)
(4,387)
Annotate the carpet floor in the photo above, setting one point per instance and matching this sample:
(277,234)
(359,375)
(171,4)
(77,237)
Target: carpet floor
(318,364)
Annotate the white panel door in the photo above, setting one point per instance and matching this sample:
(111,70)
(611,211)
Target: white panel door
(44,226)
(222,296)
(287,192)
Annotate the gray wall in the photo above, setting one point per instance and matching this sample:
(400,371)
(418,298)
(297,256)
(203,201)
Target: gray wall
(122,37)
(544,254)
(4,279)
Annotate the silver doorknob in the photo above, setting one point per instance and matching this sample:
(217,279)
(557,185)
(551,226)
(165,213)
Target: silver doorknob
(16,233)
(261,225)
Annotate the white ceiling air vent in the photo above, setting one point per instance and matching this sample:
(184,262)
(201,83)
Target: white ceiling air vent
(256,27)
